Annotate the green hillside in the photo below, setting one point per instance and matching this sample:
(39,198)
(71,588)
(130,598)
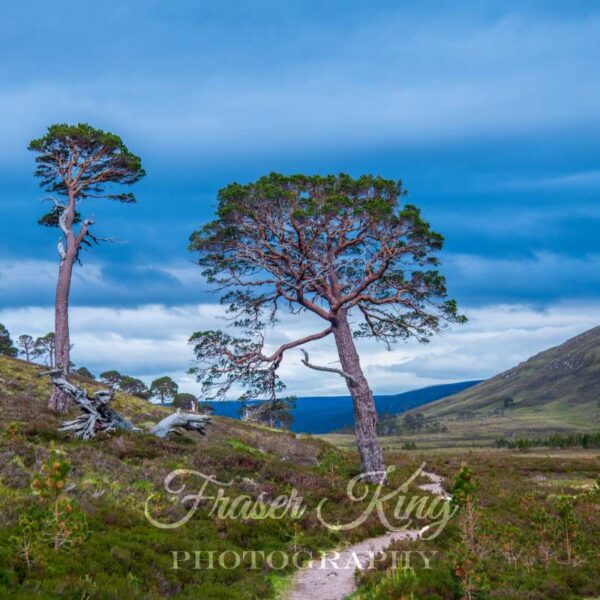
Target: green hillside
(555,391)
(110,478)
(91,540)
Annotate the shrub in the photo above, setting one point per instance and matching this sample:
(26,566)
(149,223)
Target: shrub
(55,521)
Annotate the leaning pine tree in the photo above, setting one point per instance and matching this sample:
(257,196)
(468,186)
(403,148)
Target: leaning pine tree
(77,162)
(341,248)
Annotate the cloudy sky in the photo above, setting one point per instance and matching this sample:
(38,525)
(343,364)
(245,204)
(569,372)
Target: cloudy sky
(488,111)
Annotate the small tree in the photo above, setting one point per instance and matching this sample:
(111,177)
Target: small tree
(85,372)
(163,388)
(185,401)
(7,347)
(26,346)
(111,378)
(414,422)
(340,248)
(274,413)
(77,162)
(467,552)
(204,407)
(45,347)
(134,387)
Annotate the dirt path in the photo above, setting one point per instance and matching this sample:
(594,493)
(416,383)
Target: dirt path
(324,581)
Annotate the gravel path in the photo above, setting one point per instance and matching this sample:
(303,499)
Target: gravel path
(336,583)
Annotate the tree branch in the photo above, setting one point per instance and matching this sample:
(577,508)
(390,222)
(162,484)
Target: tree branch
(61,250)
(340,372)
(309,338)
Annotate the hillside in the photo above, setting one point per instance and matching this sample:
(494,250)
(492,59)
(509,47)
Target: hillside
(555,391)
(92,540)
(110,479)
(322,414)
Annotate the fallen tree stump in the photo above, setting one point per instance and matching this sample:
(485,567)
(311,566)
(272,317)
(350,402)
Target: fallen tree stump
(99,417)
(180,420)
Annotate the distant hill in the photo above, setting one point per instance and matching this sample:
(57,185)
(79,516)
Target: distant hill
(555,391)
(322,414)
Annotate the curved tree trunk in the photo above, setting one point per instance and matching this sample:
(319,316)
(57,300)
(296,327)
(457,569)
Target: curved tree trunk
(365,414)
(59,400)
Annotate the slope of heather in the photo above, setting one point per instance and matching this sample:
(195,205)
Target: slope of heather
(563,381)
(123,555)
(554,392)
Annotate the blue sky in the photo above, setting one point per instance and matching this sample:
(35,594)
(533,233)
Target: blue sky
(488,111)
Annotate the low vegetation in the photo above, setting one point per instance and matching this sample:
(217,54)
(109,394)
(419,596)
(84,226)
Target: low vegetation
(575,440)
(513,538)
(552,393)
(72,519)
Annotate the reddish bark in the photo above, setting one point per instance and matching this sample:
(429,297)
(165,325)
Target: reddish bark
(59,400)
(365,413)
(328,245)
(77,162)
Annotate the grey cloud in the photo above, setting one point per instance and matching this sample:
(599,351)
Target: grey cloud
(151,340)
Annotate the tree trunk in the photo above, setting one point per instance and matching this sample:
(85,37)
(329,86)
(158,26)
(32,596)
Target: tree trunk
(98,416)
(365,414)
(59,400)
(184,420)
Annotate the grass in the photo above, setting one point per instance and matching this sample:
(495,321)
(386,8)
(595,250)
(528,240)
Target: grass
(505,560)
(567,483)
(553,392)
(111,478)
(282,585)
(124,556)
(482,431)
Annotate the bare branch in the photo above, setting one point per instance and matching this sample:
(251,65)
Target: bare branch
(191,421)
(340,372)
(309,338)
(100,417)
(61,250)
(62,222)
